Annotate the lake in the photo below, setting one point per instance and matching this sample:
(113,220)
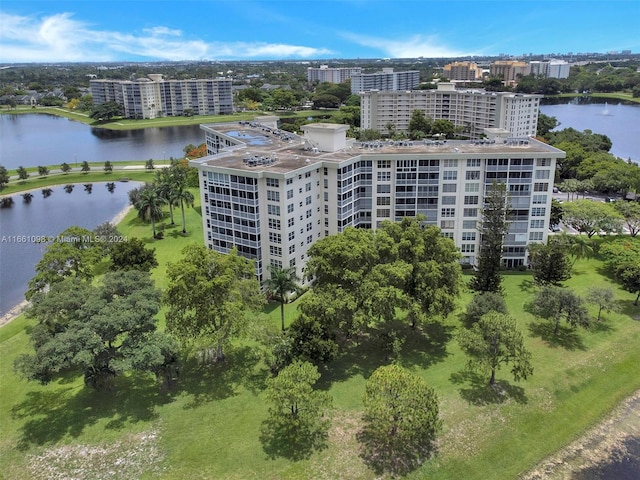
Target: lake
(39,139)
(22,224)
(615,119)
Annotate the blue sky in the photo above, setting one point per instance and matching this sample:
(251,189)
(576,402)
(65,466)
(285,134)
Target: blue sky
(153,30)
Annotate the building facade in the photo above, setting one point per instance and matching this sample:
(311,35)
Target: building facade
(508,70)
(271,194)
(154,97)
(462,71)
(385,80)
(331,75)
(472,110)
(549,69)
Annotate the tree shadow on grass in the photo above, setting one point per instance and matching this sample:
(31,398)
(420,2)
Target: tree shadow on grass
(390,458)
(527,285)
(207,381)
(479,392)
(566,337)
(293,440)
(423,346)
(50,415)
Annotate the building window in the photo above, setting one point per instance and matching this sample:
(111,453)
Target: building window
(275,251)
(273,196)
(273,182)
(473,162)
(538,211)
(471,199)
(449,188)
(450,175)
(274,223)
(383,212)
(540,187)
(468,247)
(307,187)
(289,194)
(472,175)
(469,224)
(290,208)
(383,201)
(471,187)
(448,200)
(542,174)
(537,224)
(383,189)
(450,163)
(540,199)
(448,212)
(275,237)
(292,249)
(273,210)
(447,224)
(289,181)
(384,176)
(470,212)
(384,163)
(469,236)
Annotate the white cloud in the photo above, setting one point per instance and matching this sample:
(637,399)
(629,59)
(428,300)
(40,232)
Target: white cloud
(61,38)
(412,47)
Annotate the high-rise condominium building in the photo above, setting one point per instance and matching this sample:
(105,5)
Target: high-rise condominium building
(331,75)
(155,97)
(549,69)
(387,79)
(508,70)
(462,71)
(271,194)
(472,110)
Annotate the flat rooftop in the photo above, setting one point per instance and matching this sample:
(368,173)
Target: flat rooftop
(278,151)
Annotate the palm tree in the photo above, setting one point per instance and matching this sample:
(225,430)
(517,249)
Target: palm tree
(167,188)
(149,205)
(580,248)
(281,281)
(184,196)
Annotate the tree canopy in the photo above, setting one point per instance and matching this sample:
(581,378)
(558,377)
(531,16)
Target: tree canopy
(492,341)
(401,419)
(104,330)
(210,297)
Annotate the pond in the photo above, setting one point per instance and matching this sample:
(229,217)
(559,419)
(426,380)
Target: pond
(23,224)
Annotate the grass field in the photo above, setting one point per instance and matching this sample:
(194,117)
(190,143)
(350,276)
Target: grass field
(208,428)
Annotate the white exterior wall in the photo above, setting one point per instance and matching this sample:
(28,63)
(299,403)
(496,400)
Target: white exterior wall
(274,216)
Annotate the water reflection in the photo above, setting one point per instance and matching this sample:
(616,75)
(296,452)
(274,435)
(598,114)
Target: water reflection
(43,215)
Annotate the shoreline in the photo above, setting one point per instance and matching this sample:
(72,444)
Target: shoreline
(17,310)
(602,446)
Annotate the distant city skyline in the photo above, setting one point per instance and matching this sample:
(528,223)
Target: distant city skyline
(146,30)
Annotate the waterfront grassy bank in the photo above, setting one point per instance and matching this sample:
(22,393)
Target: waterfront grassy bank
(209,426)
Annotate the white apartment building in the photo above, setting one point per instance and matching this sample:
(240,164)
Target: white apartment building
(387,79)
(155,97)
(549,69)
(474,110)
(271,194)
(331,75)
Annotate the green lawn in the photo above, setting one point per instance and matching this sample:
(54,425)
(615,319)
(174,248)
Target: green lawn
(127,124)
(208,428)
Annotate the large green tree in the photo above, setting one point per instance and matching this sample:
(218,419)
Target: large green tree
(550,261)
(4,177)
(106,111)
(492,228)
(103,330)
(71,254)
(401,420)
(297,422)
(556,303)
(210,297)
(590,217)
(493,341)
(132,254)
(630,211)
